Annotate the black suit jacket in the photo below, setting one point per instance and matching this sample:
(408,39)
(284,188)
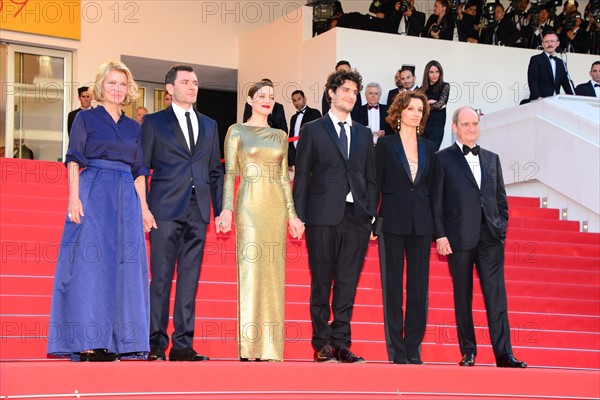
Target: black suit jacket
(71,118)
(540,80)
(176,169)
(363,118)
(585,89)
(507,33)
(405,205)
(391,95)
(458,202)
(275,120)
(310,114)
(447,26)
(414,24)
(324,175)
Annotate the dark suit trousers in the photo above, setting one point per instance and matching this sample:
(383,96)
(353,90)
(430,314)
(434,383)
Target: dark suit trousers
(183,241)
(488,258)
(404,336)
(336,255)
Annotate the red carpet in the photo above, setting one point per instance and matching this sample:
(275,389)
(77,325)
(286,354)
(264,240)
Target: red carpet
(552,277)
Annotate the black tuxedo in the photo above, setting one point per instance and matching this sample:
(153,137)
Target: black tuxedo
(363,118)
(467,28)
(414,24)
(310,114)
(182,188)
(391,96)
(505,32)
(446,26)
(585,89)
(275,120)
(540,80)
(407,228)
(579,44)
(474,220)
(394,92)
(337,232)
(71,118)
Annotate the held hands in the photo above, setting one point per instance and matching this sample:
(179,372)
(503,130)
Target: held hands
(75,209)
(296,228)
(149,221)
(443,246)
(224,221)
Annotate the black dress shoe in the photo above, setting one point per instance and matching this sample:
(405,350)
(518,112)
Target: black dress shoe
(414,360)
(344,355)
(468,360)
(187,354)
(509,361)
(98,355)
(157,355)
(400,361)
(325,355)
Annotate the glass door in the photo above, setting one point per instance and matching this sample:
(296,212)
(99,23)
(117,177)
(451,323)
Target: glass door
(37,94)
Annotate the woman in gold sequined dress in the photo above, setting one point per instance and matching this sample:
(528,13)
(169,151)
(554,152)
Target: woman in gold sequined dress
(263,208)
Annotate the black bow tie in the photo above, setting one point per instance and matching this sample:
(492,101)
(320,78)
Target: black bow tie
(300,112)
(553,58)
(596,84)
(467,150)
(371,107)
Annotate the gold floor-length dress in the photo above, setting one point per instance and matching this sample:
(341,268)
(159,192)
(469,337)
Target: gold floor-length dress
(263,206)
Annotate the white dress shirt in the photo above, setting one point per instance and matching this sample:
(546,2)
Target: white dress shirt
(474,165)
(348,128)
(180,114)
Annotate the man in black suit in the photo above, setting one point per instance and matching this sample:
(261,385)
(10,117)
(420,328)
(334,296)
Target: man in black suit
(277,117)
(373,114)
(470,219)
(85,99)
(468,24)
(547,72)
(406,19)
(182,146)
(335,194)
(502,32)
(575,39)
(535,34)
(592,87)
(405,79)
(303,115)
(342,65)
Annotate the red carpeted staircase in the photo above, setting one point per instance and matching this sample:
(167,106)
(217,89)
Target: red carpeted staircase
(552,274)
(552,278)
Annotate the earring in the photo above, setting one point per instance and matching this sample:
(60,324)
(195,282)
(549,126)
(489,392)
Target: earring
(418,130)
(398,126)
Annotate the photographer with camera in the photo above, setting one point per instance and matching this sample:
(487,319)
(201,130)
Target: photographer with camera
(592,27)
(440,24)
(467,19)
(406,19)
(540,24)
(502,31)
(574,37)
(521,18)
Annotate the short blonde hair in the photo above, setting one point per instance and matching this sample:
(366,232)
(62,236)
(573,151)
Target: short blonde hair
(104,70)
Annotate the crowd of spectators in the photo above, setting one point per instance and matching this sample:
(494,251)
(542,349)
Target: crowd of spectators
(521,24)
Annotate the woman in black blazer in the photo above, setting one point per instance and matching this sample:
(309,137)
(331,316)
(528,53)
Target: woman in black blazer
(405,164)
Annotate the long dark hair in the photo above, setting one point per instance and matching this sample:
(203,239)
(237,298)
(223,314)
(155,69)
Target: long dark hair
(437,87)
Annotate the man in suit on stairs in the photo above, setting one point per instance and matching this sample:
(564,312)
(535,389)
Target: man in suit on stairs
(592,87)
(182,146)
(303,115)
(470,219)
(547,72)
